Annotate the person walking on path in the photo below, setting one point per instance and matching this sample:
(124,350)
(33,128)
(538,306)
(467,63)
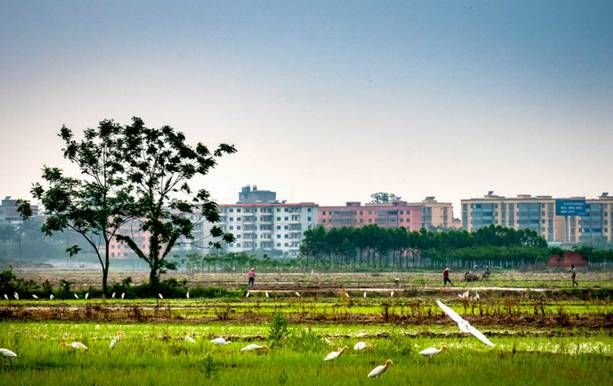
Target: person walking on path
(251,278)
(573,275)
(446,277)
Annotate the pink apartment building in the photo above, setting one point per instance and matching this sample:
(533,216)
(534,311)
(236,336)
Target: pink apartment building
(389,215)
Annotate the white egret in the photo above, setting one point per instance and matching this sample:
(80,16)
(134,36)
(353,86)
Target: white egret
(267,294)
(113,295)
(34,296)
(431,351)
(160,296)
(76,345)
(297,293)
(116,339)
(187,295)
(380,369)
(190,339)
(360,346)
(464,295)
(335,354)
(392,294)
(7,354)
(255,347)
(16,295)
(476,297)
(6,297)
(51,297)
(463,325)
(247,294)
(76,296)
(86,295)
(220,341)
(327,340)
(123,295)
(364,294)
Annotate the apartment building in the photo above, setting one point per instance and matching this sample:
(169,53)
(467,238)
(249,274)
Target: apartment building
(597,224)
(436,215)
(388,215)
(277,228)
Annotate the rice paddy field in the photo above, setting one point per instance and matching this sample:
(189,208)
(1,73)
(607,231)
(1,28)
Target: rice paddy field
(542,335)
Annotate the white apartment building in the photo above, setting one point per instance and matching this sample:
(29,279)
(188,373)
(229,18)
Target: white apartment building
(277,228)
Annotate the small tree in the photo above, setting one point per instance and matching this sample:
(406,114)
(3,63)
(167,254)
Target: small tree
(92,205)
(383,198)
(159,168)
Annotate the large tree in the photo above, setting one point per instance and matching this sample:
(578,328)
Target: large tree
(94,204)
(159,168)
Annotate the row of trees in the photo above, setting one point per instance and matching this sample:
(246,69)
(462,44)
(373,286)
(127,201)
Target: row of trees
(396,247)
(129,173)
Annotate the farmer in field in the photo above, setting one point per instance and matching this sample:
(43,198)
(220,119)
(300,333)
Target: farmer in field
(573,275)
(251,278)
(446,277)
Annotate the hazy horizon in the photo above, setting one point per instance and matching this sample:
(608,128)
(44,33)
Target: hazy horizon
(325,101)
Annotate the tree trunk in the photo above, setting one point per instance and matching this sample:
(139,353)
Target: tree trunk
(105,278)
(154,279)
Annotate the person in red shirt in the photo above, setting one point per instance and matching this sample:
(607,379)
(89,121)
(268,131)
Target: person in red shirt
(446,277)
(251,278)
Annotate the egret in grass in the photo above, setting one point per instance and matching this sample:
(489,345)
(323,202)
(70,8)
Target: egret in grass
(123,295)
(335,354)
(377,371)
(431,351)
(297,293)
(464,295)
(220,341)
(267,294)
(6,297)
(76,296)
(160,296)
(476,297)
(190,339)
(76,346)
(51,297)
(327,341)
(116,339)
(364,294)
(187,295)
(113,295)
(34,297)
(7,355)
(463,325)
(392,294)
(360,346)
(86,295)
(247,294)
(16,295)
(255,347)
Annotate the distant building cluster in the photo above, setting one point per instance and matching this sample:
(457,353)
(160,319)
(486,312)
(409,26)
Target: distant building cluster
(261,223)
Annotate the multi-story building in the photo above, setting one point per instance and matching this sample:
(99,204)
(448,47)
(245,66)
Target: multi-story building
(276,228)
(538,214)
(436,215)
(353,214)
(253,195)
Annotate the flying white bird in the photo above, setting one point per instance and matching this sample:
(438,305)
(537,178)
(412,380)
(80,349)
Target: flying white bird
(190,339)
(76,345)
(464,295)
(116,340)
(113,295)
(297,293)
(187,295)
(86,295)
(51,297)
(335,354)
(380,369)
(431,351)
(267,294)
(34,296)
(16,295)
(7,354)
(160,296)
(76,296)
(220,341)
(254,347)
(463,325)
(123,295)
(360,346)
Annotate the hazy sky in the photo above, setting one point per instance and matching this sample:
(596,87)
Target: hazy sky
(325,101)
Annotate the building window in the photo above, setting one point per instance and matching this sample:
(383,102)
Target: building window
(238,227)
(231,227)
(278,218)
(308,219)
(278,236)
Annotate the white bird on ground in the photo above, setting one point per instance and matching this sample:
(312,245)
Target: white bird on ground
(116,340)
(327,341)
(219,341)
(347,294)
(392,294)
(76,345)
(463,325)
(76,296)
(364,294)
(7,354)
(464,295)
(6,297)
(247,294)
(34,296)
(335,354)
(431,351)
(267,294)
(380,369)
(360,346)
(86,295)
(190,339)
(160,296)
(16,295)
(476,297)
(123,295)
(113,295)
(51,297)
(187,295)
(254,347)
(297,293)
